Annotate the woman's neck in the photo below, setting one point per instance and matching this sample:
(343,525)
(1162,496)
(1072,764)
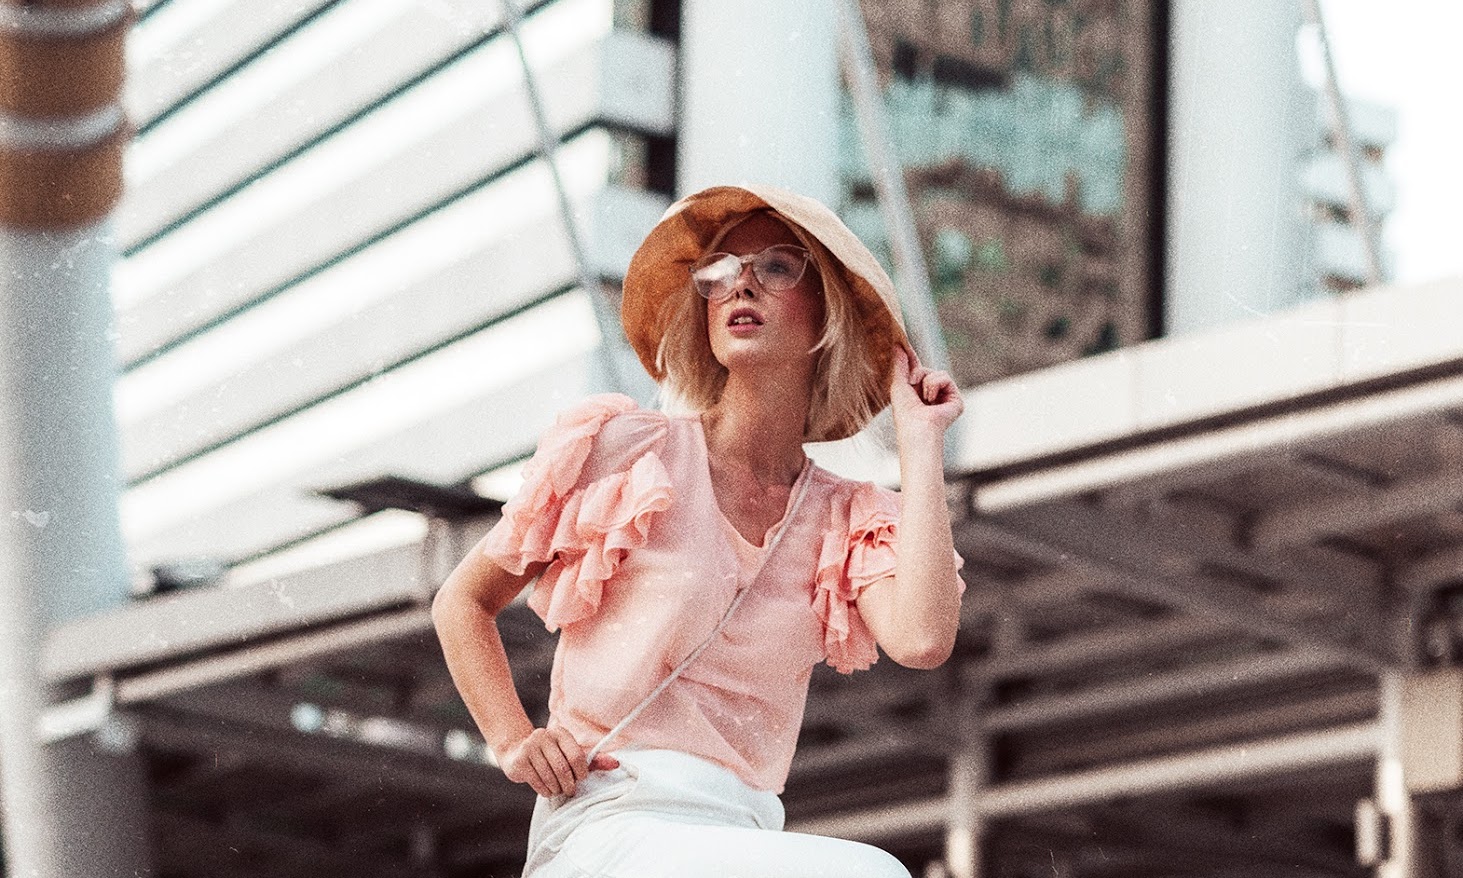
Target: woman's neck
(758,424)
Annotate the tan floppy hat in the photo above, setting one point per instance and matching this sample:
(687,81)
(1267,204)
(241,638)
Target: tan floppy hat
(660,271)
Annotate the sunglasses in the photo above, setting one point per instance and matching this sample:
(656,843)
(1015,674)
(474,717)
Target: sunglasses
(777,269)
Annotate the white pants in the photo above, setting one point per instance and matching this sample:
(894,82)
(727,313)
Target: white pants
(665,814)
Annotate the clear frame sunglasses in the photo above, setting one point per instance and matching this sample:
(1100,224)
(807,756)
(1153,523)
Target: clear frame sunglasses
(777,269)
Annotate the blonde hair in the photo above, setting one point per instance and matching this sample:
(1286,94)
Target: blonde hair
(844,376)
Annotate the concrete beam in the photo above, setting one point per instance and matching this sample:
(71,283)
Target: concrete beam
(1240,761)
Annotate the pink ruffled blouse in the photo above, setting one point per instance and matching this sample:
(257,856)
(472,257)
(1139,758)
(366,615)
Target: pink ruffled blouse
(643,566)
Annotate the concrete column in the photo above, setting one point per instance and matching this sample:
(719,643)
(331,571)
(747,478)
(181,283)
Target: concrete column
(759,95)
(1421,754)
(69,809)
(1239,116)
(969,774)
(1392,797)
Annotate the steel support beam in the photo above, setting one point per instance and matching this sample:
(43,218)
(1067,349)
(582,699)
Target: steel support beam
(1240,761)
(1361,211)
(1191,682)
(888,177)
(72,718)
(621,371)
(1074,546)
(1194,454)
(1304,523)
(1104,645)
(328,758)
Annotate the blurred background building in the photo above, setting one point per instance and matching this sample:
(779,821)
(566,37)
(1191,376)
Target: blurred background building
(1207,487)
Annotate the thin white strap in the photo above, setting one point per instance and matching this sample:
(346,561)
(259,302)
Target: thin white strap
(725,617)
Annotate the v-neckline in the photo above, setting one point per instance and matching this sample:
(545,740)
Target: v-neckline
(777,526)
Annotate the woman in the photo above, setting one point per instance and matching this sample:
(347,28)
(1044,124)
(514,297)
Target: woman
(697,567)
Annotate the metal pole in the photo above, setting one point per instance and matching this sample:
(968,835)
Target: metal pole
(909,261)
(1341,129)
(69,808)
(969,776)
(614,352)
(1391,793)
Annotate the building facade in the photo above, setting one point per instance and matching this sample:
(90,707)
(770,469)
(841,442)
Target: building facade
(370,249)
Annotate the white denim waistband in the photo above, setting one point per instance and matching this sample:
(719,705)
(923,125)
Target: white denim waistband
(671,785)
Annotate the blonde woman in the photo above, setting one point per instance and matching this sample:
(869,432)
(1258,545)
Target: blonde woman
(697,566)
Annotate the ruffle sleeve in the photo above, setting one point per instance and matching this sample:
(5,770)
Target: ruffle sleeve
(858,550)
(589,496)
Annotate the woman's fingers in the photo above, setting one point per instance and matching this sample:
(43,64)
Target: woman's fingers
(936,386)
(563,772)
(922,396)
(572,752)
(553,763)
(543,779)
(932,386)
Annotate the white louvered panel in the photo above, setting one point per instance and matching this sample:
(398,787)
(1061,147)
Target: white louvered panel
(187,43)
(373,309)
(405,156)
(455,270)
(325,201)
(348,58)
(448,416)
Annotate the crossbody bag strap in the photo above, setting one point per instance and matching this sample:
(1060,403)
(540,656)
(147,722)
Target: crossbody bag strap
(725,617)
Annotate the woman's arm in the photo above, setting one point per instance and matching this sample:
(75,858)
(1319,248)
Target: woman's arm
(465,613)
(915,613)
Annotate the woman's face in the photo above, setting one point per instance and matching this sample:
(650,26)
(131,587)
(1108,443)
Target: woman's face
(756,327)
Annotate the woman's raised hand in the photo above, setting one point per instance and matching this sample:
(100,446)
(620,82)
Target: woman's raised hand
(552,762)
(922,398)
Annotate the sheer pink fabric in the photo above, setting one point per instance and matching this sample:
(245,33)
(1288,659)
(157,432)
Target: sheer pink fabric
(642,564)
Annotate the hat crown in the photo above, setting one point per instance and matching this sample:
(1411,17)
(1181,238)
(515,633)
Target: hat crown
(659,270)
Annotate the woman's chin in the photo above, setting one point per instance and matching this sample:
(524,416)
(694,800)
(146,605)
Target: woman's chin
(753,359)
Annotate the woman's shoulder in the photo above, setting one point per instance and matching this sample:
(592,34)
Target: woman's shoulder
(619,416)
(856,493)
(615,429)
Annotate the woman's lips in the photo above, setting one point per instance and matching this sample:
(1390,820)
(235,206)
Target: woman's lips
(750,322)
(739,313)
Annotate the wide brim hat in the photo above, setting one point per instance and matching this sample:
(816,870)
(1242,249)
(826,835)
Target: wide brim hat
(660,271)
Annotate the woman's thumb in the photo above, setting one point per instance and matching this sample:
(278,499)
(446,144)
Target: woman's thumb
(604,762)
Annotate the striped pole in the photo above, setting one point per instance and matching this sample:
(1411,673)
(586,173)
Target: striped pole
(69,808)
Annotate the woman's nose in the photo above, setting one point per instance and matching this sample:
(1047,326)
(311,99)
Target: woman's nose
(744,283)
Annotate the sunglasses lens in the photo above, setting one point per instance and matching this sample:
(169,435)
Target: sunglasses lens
(715,274)
(777,268)
(781,267)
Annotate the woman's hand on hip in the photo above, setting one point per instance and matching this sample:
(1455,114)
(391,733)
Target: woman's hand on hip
(552,762)
(922,398)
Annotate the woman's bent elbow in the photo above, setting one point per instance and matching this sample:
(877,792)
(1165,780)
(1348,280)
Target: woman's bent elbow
(447,606)
(924,656)
(440,610)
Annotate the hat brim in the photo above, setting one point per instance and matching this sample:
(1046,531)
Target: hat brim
(659,271)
